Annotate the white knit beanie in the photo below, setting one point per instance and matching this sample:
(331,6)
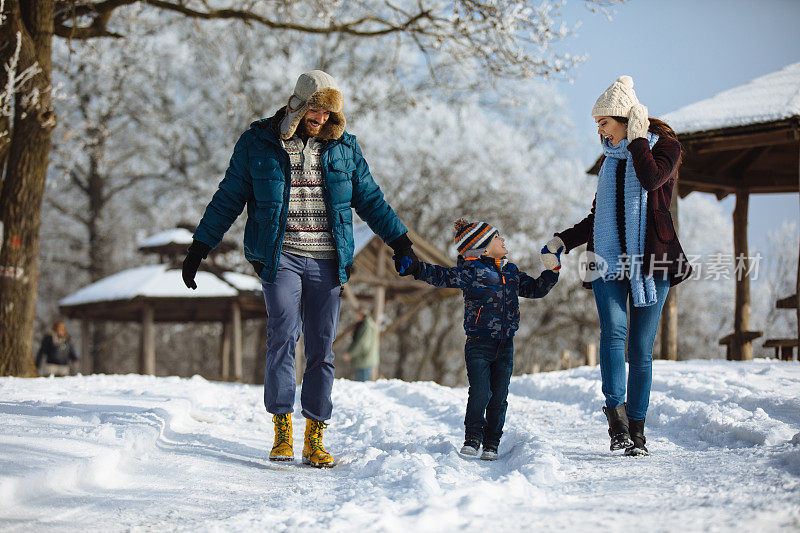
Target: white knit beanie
(315,90)
(617,100)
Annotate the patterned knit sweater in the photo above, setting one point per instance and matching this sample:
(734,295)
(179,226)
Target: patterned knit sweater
(307,228)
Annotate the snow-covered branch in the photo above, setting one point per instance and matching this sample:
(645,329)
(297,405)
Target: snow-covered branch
(14,82)
(507,38)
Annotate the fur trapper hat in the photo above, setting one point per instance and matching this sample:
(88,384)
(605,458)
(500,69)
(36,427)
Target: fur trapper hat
(315,90)
(472,238)
(617,100)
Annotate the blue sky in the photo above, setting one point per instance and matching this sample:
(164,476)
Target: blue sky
(679,52)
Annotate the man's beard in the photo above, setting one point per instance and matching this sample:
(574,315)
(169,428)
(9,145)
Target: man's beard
(308,130)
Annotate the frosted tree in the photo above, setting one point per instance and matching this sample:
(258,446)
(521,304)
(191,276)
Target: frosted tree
(505,38)
(183,129)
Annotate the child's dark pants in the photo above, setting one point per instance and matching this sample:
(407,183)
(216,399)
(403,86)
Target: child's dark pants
(489,366)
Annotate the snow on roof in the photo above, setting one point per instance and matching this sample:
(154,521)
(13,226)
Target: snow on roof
(361,236)
(159,281)
(172,236)
(775,96)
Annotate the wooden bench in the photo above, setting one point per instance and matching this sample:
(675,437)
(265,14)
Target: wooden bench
(790,302)
(747,337)
(784,348)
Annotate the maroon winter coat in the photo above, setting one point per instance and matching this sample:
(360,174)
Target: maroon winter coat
(656,171)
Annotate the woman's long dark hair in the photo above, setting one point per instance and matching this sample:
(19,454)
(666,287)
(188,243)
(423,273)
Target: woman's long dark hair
(660,128)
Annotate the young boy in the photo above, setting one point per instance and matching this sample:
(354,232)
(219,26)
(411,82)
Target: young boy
(490,286)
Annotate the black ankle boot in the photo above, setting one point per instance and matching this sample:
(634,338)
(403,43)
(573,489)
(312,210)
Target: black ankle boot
(618,427)
(637,436)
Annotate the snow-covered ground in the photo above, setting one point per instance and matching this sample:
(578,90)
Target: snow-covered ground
(112,453)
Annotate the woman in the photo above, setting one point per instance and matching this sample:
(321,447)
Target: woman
(631,229)
(56,355)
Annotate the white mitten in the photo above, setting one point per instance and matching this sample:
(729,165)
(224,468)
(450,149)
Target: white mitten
(554,244)
(552,261)
(637,122)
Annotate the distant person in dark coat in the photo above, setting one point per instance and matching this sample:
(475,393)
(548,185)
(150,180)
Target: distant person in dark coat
(56,355)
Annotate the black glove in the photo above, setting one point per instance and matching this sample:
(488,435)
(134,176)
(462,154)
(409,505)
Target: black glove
(194,255)
(405,260)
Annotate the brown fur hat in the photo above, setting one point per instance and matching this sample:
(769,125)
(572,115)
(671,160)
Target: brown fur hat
(315,90)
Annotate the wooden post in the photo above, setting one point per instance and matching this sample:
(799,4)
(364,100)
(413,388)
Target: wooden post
(147,354)
(380,298)
(261,354)
(350,297)
(236,328)
(669,315)
(224,352)
(590,354)
(741,348)
(380,290)
(797,284)
(565,362)
(86,363)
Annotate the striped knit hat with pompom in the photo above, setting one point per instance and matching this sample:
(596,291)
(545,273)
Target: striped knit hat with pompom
(472,238)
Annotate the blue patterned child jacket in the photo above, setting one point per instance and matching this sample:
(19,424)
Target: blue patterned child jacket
(491,289)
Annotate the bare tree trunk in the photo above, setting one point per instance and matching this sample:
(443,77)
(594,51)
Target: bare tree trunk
(23,185)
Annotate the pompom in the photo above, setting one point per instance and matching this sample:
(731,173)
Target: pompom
(627,81)
(460,224)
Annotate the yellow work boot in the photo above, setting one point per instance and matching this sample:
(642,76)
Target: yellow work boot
(282,447)
(313,452)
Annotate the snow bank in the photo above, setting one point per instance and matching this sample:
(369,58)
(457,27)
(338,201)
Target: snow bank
(133,452)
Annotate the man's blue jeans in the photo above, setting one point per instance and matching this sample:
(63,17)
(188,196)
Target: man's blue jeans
(490,363)
(612,297)
(305,292)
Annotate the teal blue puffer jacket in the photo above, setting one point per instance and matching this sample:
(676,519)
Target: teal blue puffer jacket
(258,177)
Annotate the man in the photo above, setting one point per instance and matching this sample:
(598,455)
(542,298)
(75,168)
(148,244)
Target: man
(299,173)
(363,350)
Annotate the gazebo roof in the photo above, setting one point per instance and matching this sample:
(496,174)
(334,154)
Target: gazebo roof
(171,236)
(775,96)
(122,295)
(158,281)
(173,242)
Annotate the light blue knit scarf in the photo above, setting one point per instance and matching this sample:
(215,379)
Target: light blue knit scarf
(606,236)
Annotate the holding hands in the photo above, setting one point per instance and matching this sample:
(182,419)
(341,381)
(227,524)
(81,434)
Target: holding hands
(406,263)
(551,254)
(405,260)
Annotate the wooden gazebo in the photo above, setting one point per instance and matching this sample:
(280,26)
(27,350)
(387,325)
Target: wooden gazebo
(156,294)
(744,141)
(374,281)
(153,294)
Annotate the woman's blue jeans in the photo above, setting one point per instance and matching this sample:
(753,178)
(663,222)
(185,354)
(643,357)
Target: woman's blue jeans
(612,297)
(490,363)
